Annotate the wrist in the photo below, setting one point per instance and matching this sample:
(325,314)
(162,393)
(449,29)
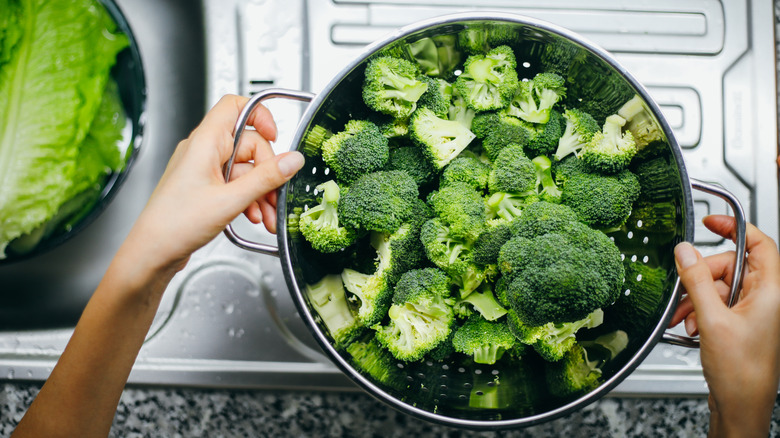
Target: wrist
(746,421)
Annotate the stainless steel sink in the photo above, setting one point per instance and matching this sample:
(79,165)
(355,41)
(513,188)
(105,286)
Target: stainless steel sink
(227,319)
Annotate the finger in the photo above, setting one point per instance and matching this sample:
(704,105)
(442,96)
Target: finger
(722,266)
(696,278)
(219,122)
(253,213)
(253,147)
(683,309)
(267,176)
(268,212)
(757,243)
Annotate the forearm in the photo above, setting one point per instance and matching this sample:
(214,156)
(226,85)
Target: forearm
(746,422)
(82,392)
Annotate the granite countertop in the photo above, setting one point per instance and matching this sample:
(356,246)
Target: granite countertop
(191,412)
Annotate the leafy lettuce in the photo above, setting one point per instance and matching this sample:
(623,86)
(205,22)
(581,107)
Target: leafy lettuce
(60,113)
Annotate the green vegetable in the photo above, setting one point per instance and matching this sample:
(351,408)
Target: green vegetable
(392,86)
(489,81)
(358,149)
(55,60)
(484,340)
(320,226)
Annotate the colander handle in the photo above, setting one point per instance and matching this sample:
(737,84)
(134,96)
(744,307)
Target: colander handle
(739,263)
(268,93)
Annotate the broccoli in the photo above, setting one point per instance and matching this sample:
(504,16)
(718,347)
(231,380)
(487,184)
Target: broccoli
(561,276)
(489,81)
(392,86)
(640,122)
(370,292)
(535,98)
(438,96)
(601,201)
(369,357)
(580,127)
(542,218)
(399,251)
(478,39)
(451,254)
(329,300)
(512,172)
(573,374)
(485,341)
(312,142)
(552,340)
(440,139)
(543,138)
(379,201)
(411,160)
(579,371)
(460,207)
(320,226)
(659,178)
(611,149)
(460,111)
(504,207)
(466,169)
(489,243)
(498,130)
(359,149)
(483,302)
(391,127)
(546,187)
(560,57)
(645,286)
(419,318)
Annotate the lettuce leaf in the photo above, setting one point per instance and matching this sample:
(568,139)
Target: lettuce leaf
(55,62)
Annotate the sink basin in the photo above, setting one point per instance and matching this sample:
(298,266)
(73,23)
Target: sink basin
(51,289)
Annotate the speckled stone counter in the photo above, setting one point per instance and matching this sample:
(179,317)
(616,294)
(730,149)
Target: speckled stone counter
(153,412)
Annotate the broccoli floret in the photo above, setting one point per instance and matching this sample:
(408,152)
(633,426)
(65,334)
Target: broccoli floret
(419,318)
(391,127)
(644,289)
(504,207)
(611,149)
(512,172)
(359,149)
(440,139)
(580,127)
(329,300)
(560,57)
(460,207)
(489,243)
(480,302)
(561,276)
(659,178)
(501,130)
(379,201)
(312,142)
(597,89)
(573,374)
(489,81)
(542,218)
(392,86)
(371,294)
(466,169)
(451,254)
(535,98)
(399,251)
(486,341)
(411,160)
(543,138)
(601,201)
(640,122)
(460,111)
(438,96)
(320,225)
(546,187)
(369,357)
(551,340)
(483,123)
(581,367)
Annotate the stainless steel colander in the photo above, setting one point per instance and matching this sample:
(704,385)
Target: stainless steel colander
(456,391)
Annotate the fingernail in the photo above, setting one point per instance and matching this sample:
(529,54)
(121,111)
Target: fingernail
(690,326)
(290,163)
(685,255)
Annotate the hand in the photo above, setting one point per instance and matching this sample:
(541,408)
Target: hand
(740,346)
(192,203)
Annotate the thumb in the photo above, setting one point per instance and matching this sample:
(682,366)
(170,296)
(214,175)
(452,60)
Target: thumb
(265,177)
(696,278)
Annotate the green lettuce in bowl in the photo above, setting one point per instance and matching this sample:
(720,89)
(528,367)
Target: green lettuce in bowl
(63,123)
